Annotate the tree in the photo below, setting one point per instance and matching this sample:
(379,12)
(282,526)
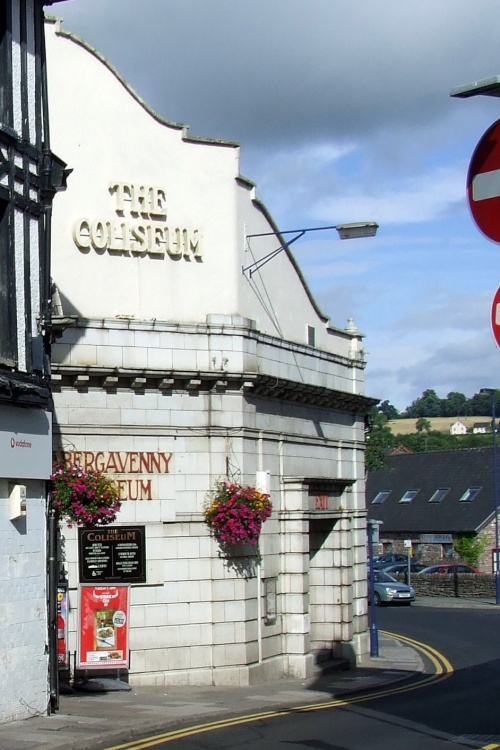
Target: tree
(428,405)
(379,439)
(481,404)
(423,425)
(470,547)
(388,409)
(456,404)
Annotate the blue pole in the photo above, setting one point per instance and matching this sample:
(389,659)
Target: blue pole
(373,619)
(495,490)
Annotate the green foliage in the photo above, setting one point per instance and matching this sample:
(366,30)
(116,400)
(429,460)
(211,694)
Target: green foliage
(379,439)
(428,405)
(388,409)
(470,547)
(454,405)
(423,425)
(423,442)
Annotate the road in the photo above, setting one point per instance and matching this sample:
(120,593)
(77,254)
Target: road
(459,712)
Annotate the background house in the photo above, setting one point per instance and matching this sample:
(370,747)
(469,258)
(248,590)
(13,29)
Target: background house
(458,428)
(433,498)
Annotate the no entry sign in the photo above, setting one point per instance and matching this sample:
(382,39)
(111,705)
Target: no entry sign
(495,317)
(483,183)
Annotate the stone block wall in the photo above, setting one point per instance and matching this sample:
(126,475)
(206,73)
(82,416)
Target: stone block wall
(468,586)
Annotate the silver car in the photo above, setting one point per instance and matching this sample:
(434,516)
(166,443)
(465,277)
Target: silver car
(387,590)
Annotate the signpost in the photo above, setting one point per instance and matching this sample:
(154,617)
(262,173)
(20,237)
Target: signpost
(483,183)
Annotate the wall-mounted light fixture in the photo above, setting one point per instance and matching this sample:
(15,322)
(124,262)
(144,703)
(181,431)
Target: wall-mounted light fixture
(352,231)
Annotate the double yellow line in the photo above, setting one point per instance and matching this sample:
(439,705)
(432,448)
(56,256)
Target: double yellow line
(442,670)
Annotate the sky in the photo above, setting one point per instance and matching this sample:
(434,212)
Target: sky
(343,112)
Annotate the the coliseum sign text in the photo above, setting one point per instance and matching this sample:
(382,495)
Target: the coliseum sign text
(139,227)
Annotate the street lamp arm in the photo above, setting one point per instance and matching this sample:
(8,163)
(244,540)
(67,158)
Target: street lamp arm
(253,267)
(354,230)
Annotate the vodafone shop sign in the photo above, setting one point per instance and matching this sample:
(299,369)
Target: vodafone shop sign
(483,183)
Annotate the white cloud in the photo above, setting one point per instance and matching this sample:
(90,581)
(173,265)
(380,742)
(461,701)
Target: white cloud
(422,197)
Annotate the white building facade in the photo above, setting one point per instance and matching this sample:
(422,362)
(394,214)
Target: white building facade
(185,365)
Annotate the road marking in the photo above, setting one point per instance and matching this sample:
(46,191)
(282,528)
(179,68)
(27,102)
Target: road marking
(490,747)
(486,185)
(443,670)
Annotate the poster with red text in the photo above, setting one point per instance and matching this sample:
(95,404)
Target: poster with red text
(103,629)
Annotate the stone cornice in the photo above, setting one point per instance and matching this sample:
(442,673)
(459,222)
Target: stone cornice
(251,384)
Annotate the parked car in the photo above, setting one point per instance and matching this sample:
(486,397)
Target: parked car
(449,568)
(389,591)
(402,567)
(382,562)
(388,559)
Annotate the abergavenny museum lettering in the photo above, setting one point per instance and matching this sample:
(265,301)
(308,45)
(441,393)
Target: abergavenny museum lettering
(140,228)
(127,465)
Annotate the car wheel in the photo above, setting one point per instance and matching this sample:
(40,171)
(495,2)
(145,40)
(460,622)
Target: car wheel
(378,600)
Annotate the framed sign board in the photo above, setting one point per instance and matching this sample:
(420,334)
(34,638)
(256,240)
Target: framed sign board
(112,554)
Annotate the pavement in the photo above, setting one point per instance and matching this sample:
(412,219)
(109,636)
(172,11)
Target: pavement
(98,720)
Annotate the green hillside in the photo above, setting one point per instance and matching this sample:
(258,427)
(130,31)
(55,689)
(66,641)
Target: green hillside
(439,424)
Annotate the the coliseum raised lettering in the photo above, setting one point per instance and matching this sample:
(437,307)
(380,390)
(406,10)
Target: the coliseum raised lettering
(139,229)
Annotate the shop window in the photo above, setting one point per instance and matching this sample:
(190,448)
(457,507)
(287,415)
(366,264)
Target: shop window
(418,550)
(380,497)
(8,340)
(387,548)
(5,107)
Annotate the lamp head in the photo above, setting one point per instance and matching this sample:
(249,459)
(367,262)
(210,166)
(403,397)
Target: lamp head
(357,229)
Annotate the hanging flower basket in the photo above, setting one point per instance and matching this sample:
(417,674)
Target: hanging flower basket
(83,498)
(235,513)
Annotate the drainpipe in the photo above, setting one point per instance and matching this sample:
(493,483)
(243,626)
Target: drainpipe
(53,580)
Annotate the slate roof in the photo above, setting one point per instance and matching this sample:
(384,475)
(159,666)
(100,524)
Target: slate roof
(458,470)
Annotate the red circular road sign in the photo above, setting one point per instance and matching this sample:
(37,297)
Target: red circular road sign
(483,183)
(495,317)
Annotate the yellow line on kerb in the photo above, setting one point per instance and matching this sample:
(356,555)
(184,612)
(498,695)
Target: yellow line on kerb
(490,747)
(440,663)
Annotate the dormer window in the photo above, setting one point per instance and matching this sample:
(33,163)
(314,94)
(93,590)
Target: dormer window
(408,496)
(439,495)
(380,497)
(470,494)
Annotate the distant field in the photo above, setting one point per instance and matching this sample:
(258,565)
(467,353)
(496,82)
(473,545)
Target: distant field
(440,424)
